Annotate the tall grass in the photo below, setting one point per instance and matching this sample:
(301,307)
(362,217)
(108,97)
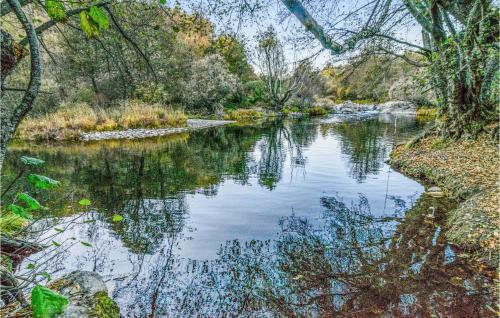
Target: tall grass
(69,121)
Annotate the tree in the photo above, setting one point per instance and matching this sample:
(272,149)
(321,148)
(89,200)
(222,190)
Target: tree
(92,21)
(460,46)
(280,84)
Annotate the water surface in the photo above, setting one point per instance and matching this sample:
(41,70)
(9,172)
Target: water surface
(285,218)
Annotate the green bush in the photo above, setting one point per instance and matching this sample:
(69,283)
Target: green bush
(317,111)
(242,114)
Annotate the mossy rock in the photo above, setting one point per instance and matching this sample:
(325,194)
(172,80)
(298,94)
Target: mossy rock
(104,306)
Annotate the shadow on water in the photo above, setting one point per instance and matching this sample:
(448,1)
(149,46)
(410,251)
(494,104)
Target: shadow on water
(340,240)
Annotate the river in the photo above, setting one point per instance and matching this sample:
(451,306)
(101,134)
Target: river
(286,218)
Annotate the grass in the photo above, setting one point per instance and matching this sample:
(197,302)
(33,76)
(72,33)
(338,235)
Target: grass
(467,171)
(69,121)
(242,114)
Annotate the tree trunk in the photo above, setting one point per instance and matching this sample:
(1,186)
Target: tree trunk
(10,120)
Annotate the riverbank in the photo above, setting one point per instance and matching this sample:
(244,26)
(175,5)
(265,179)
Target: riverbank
(69,122)
(467,171)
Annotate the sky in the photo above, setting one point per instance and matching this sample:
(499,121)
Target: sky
(291,31)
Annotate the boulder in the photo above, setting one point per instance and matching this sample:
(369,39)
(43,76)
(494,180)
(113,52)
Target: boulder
(87,294)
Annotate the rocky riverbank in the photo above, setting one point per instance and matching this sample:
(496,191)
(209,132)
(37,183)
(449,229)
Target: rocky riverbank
(392,107)
(192,124)
(466,171)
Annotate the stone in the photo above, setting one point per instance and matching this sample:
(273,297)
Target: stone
(87,294)
(435,192)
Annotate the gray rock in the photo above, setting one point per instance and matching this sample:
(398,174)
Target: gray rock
(85,290)
(435,192)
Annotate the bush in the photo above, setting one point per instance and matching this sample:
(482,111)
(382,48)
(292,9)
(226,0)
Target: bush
(317,111)
(242,114)
(210,85)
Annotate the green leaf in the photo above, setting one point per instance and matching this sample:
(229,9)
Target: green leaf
(46,303)
(19,210)
(31,202)
(58,229)
(88,26)
(30,161)
(84,202)
(117,218)
(42,182)
(56,243)
(163,1)
(55,10)
(86,244)
(99,17)
(30,266)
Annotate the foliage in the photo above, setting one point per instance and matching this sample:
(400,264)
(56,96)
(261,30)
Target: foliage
(317,111)
(46,303)
(280,83)
(242,114)
(210,84)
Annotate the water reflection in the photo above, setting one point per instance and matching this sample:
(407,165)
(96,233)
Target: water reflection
(348,262)
(300,218)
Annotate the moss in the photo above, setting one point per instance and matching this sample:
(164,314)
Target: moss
(104,306)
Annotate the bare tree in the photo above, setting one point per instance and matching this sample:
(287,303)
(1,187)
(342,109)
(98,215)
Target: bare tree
(279,81)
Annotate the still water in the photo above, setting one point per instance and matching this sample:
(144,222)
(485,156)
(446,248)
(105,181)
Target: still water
(298,218)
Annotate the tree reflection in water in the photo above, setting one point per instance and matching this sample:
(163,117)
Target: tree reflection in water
(347,263)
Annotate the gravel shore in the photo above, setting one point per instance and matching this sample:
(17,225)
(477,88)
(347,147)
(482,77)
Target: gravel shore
(192,124)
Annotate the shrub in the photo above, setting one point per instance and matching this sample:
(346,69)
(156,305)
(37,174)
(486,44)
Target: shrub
(210,84)
(317,111)
(242,114)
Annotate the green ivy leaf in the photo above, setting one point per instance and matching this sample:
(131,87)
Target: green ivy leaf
(31,202)
(84,202)
(55,10)
(56,243)
(88,26)
(47,303)
(30,266)
(19,210)
(86,244)
(117,218)
(30,161)
(58,229)
(99,17)
(163,1)
(42,182)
